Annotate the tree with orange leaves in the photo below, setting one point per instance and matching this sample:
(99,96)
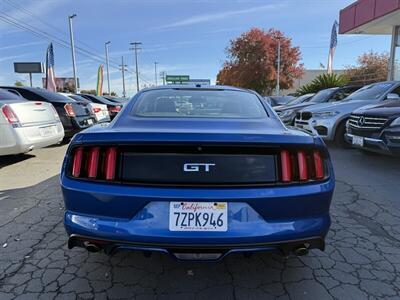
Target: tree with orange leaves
(252,61)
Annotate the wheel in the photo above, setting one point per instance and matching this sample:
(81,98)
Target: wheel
(339,135)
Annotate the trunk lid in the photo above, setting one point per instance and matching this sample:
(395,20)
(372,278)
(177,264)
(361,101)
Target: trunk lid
(34,112)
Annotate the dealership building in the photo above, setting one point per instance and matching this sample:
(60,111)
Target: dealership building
(375,17)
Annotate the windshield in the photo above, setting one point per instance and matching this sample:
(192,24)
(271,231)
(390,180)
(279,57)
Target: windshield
(300,99)
(78,98)
(322,96)
(199,104)
(5,95)
(370,92)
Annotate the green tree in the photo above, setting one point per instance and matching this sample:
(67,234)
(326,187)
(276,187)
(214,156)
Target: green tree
(18,83)
(323,81)
(92,92)
(371,67)
(252,61)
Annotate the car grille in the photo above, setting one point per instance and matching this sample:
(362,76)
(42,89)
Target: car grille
(366,122)
(305,115)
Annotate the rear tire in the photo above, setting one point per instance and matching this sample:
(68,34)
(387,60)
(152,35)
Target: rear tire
(339,135)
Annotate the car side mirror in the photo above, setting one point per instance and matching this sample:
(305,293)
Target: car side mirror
(392,96)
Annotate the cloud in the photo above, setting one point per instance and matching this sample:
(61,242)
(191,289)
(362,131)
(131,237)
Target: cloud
(11,57)
(218,16)
(21,45)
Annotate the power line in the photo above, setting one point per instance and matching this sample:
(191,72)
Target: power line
(50,37)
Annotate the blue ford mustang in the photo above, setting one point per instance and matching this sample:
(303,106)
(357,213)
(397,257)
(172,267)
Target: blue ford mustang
(199,173)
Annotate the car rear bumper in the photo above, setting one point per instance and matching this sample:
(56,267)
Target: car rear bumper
(24,139)
(133,217)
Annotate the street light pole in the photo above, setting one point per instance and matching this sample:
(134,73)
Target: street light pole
(108,68)
(123,76)
(278,68)
(155,71)
(136,48)
(71,36)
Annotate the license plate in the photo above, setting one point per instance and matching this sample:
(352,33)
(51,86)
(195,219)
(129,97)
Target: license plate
(47,131)
(358,140)
(198,216)
(90,121)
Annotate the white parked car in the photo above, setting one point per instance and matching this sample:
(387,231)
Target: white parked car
(100,111)
(27,125)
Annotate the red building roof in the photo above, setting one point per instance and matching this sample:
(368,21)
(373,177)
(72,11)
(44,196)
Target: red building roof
(370,17)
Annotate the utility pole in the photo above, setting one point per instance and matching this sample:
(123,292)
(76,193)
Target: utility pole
(108,68)
(155,71)
(123,69)
(278,68)
(162,75)
(136,48)
(71,36)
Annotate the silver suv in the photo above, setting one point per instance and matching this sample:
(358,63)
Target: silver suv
(329,119)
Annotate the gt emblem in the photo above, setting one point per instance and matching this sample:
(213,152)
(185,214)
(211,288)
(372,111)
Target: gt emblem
(197,167)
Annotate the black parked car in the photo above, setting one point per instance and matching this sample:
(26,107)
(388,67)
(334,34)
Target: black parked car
(113,107)
(376,128)
(74,115)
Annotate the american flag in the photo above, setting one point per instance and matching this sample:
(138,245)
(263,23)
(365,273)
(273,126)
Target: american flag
(50,77)
(332,47)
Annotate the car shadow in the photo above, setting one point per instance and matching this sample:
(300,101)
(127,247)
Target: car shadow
(7,160)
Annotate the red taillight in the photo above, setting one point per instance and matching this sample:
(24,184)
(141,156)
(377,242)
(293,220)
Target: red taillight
(114,109)
(38,103)
(110,163)
(319,165)
(69,110)
(286,166)
(77,162)
(9,114)
(302,160)
(301,165)
(96,110)
(93,162)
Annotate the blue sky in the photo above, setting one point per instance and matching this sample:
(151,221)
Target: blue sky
(184,36)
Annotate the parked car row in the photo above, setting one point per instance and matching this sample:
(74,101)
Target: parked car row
(365,117)
(33,118)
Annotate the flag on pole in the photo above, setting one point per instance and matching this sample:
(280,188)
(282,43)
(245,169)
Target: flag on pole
(50,76)
(332,47)
(99,88)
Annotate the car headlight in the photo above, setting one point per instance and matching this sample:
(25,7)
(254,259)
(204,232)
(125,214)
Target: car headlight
(285,113)
(395,122)
(325,114)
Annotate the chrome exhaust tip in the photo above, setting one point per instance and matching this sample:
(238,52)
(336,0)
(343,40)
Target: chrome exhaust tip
(301,250)
(91,247)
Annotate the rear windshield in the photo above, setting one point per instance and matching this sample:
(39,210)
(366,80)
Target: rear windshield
(5,95)
(371,92)
(199,104)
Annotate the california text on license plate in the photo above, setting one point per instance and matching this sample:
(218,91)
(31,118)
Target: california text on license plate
(198,216)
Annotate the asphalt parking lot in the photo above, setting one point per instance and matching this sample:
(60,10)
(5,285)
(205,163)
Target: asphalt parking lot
(362,259)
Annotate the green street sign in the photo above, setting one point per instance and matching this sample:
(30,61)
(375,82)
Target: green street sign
(177,78)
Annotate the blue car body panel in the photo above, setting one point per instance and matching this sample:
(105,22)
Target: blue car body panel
(138,214)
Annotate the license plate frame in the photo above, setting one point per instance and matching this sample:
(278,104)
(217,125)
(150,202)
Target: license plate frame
(358,140)
(198,216)
(47,131)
